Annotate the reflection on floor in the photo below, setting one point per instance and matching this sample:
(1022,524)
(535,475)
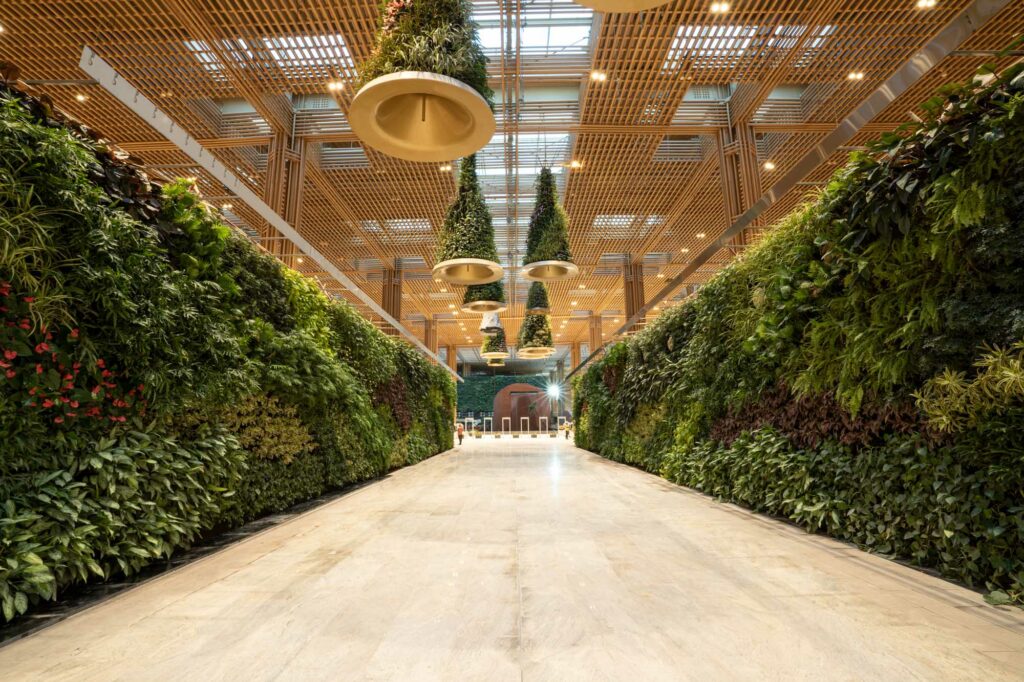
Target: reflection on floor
(529,559)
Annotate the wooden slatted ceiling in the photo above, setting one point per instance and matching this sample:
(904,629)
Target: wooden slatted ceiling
(233,72)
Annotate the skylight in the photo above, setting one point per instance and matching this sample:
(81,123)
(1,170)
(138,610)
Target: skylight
(310,56)
(709,46)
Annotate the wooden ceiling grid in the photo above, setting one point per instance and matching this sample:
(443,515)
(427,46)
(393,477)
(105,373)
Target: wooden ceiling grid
(688,97)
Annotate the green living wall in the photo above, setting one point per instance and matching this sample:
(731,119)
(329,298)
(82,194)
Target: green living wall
(476,394)
(861,371)
(160,376)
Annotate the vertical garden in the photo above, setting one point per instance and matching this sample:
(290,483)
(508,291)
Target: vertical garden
(160,376)
(861,371)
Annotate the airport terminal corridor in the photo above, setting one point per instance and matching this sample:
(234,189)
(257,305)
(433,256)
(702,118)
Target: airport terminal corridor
(530,559)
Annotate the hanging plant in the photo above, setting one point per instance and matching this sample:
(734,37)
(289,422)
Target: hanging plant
(547,243)
(466,252)
(496,362)
(535,337)
(494,346)
(423,92)
(484,298)
(537,299)
(490,324)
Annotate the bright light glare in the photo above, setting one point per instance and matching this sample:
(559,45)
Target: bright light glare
(554,390)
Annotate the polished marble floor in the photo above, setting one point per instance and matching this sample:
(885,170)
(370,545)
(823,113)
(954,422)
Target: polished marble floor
(529,559)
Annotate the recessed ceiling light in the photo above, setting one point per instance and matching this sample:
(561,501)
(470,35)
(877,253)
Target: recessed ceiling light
(925,4)
(855,75)
(299,260)
(445,168)
(685,250)
(451,305)
(660,275)
(598,76)
(166,94)
(1,29)
(769,166)
(701,235)
(226,207)
(576,164)
(335,86)
(80,97)
(719,7)
(582,286)
(615,320)
(573,303)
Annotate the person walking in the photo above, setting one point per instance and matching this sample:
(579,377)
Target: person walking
(461,432)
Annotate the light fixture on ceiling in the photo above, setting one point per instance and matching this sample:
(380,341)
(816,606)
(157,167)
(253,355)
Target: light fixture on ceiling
(445,168)
(701,235)
(166,94)
(855,76)
(575,164)
(80,97)
(299,260)
(616,320)
(443,290)
(769,165)
(685,250)
(719,7)
(925,4)
(582,286)
(226,207)
(451,305)
(661,275)
(573,303)
(335,86)
(598,76)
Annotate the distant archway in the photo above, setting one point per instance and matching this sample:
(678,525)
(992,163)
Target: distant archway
(521,400)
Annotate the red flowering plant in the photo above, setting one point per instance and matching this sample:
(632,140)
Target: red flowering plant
(393,11)
(45,370)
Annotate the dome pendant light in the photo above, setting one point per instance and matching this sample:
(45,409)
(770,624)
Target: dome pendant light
(466,252)
(490,324)
(424,95)
(547,242)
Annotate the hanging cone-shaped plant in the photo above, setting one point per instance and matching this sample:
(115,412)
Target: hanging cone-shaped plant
(535,337)
(537,299)
(424,93)
(466,253)
(490,324)
(484,298)
(494,346)
(547,243)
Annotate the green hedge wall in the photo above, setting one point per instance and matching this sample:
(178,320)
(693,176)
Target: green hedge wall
(861,370)
(160,376)
(476,393)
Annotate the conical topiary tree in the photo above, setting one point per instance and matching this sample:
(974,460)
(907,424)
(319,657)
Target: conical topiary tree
(547,243)
(466,253)
(423,92)
(535,339)
(537,298)
(494,346)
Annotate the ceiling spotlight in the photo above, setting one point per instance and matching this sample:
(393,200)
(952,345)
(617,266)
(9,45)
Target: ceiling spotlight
(615,320)
(769,166)
(81,98)
(299,260)
(582,286)
(855,76)
(684,250)
(451,305)
(226,207)
(701,235)
(1,29)
(660,275)
(598,76)
(443,290)
(335,86)
(925,4)
(575,164)
(166,94)
(719,7)
(445,168)
(573,303)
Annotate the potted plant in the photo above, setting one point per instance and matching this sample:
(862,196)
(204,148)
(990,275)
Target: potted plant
(494,347)
(466,253)
(423,92)
(484,298)
(537,299)
(490,324)
(535,340)
(547,242)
